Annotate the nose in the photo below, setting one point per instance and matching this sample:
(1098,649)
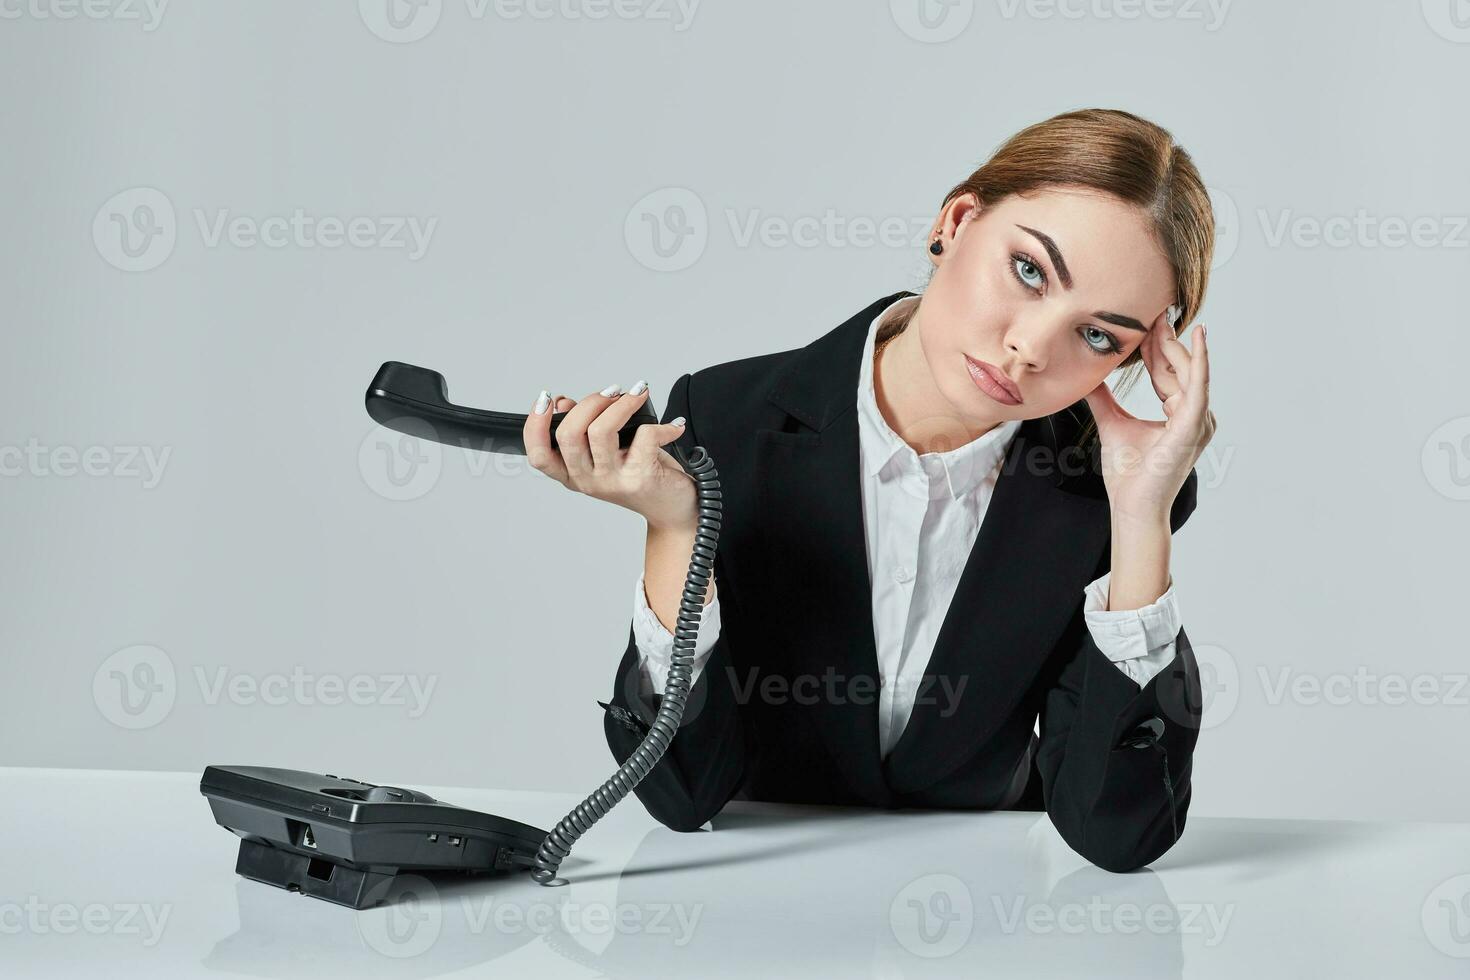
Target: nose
(1026,345)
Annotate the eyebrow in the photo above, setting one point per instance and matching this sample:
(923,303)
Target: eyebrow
(1063,273)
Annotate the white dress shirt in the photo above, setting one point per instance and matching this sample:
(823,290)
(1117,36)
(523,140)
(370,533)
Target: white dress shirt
(921,516)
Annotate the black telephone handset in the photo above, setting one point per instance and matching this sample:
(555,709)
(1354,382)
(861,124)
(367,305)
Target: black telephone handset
(408,399)
(415,401)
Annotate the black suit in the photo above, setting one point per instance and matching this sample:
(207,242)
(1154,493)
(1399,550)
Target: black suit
(795,601)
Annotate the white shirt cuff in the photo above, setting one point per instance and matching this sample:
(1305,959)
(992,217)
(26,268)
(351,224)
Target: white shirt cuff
(1139,641)
(656,644)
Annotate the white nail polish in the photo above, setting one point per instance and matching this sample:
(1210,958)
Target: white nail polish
(638,388)
(542,400)
(677,421)
(611,390)
(1173,314)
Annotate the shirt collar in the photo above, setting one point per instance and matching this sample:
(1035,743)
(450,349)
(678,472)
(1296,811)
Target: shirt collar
(965,467)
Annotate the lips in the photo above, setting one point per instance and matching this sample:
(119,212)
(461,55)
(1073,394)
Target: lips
(989,379)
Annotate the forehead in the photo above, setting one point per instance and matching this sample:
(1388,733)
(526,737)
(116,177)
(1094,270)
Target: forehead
(1109,246)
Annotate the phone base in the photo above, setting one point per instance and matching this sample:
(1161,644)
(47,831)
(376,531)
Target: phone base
(318,877)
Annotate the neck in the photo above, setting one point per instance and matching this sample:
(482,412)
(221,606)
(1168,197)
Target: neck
(912,404)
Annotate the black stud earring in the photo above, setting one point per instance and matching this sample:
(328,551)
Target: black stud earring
(937,247)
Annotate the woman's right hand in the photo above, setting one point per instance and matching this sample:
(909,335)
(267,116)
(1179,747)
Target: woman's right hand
(587,458)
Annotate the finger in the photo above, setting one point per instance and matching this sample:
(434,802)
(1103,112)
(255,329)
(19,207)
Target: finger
(602,433)
(536,435)
(1162,374)
(571,431)
(648,443)
(1200,369)
(1178,358)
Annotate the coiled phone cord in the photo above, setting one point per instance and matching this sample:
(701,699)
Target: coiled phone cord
(558,844)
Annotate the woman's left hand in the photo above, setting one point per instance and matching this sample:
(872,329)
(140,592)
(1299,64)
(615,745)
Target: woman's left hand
(1146,462)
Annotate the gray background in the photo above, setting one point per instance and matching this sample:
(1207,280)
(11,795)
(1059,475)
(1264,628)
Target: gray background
(1329,539)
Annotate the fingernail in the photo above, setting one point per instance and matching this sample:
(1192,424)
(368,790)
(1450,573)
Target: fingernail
(1173,313)
(677,421)
(638,388)
(542,401)
(611,390)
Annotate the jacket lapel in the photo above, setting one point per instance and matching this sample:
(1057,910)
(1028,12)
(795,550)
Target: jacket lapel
(811,534)
(1041,538)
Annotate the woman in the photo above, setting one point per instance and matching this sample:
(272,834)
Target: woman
(943,572)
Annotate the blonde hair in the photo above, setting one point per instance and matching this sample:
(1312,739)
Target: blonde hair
(1117,153)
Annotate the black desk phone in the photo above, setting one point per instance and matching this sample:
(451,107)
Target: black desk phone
(343,840)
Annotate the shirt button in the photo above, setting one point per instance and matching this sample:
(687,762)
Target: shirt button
(901,574)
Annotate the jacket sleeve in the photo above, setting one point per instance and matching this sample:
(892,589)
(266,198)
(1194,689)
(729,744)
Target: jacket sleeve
(1114,757)
(705,762)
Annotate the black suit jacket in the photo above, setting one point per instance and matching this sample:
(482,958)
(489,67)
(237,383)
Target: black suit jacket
(786,707)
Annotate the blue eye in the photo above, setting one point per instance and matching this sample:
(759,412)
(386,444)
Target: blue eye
(1027,272)
(1110,345)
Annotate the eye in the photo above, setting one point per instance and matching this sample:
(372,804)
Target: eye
(1027,272)
(1107,345)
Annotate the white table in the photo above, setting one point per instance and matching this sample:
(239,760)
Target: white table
(120,874)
